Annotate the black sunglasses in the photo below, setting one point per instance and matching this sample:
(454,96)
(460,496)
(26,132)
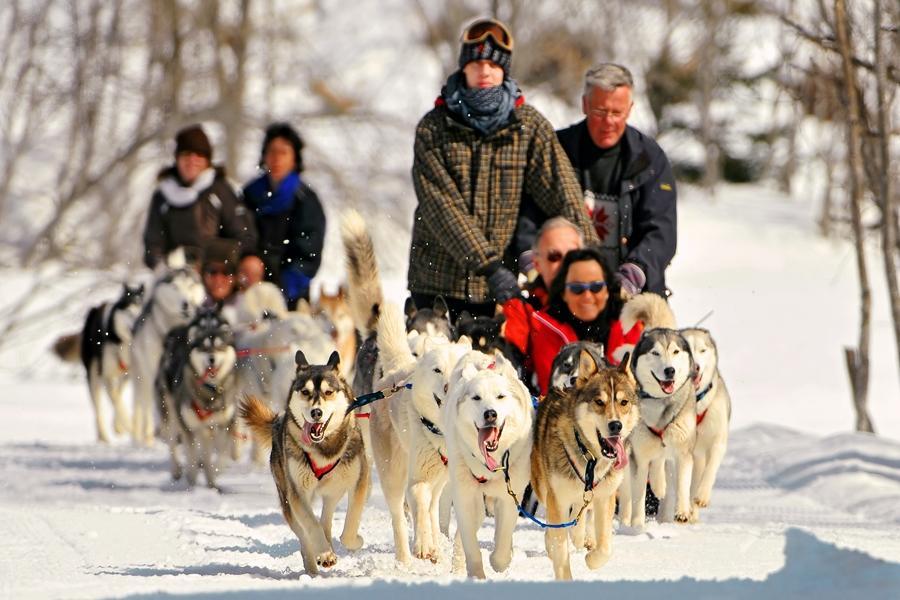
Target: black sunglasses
(554,256)
(578,287)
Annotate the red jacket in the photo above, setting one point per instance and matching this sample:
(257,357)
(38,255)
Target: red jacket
(546,336)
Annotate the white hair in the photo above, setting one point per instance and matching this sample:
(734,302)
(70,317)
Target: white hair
(607,77)
(556,223)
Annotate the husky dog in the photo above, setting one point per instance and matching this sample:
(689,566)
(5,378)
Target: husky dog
(579,454)
(198,393)
(407,430)
(104,351)
(172,302)
(432,321)
(663,444)
(266,366)
(487,425)
(335,307)
(564,371)
(713,415)
(317,451)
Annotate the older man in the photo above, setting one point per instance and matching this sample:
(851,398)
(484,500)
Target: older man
(627,182)
(475,154)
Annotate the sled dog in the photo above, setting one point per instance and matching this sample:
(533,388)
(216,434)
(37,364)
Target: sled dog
(266,366)
(713,415)
(487,426)
(579,455)
(335,307)
(197,388)
(172,302)
(317,451)
(564,370)
(663,443)
(105,344)
(407,430)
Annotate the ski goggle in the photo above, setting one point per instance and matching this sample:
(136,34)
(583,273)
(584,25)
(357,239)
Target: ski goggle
(578,287)
(480,30)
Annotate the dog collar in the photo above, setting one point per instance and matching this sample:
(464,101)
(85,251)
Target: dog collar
(702,394)
(431,427)
(644,395)
(201,413)
(588,478)
(318,471)
(658,432)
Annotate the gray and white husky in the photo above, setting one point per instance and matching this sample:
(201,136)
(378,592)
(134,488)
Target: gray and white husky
(713,415)
(172,303)
(197,386)
(105,354)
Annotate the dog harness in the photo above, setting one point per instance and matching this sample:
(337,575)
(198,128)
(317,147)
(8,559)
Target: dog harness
(201,413)
(318,471)
(588,478)
(436,431)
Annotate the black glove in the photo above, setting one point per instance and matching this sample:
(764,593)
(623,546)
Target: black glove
(502,284)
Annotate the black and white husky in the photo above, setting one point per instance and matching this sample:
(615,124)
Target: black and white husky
(197,387)
(105,354)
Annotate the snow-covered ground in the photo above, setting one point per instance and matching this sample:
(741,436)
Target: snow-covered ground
(802,507)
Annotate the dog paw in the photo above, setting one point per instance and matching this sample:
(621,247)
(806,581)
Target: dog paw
(326,559)
(352,543)
(596,558)
(590,543)
(701,501)
(500,562)
(681,517)
(424,552)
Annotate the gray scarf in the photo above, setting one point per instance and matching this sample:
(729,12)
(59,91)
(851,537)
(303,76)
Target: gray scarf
(484,109)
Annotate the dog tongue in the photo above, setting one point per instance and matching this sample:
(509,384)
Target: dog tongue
(488,435)
(307,428)
(667,386)
(621,456)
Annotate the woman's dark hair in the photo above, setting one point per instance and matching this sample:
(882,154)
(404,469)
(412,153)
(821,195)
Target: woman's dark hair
(558,286)
(290,135)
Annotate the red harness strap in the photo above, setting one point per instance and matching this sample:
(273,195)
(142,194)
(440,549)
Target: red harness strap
(318,471)
(659,432)
(262,351)
(702,416)
(444,459)
(122,366)
(362,415)
(201,413)
(479,479)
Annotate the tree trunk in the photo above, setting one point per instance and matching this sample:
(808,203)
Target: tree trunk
(884,188)
(857,358)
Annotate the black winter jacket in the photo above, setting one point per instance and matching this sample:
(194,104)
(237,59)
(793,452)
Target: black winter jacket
(303,229)
(646,199)
(217,212)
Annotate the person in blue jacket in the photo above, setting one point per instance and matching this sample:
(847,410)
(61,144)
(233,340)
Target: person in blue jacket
(288,215)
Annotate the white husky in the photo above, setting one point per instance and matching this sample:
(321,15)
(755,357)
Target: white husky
(487,418)
(172,302)
(407,430)
(713,416)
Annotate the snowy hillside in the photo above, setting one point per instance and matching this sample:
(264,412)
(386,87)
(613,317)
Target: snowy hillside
(803,507)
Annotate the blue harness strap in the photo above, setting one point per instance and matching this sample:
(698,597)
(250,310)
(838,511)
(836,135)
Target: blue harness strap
(521,505)
(374,396)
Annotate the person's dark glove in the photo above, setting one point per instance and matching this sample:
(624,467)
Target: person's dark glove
(631,278)
(502,284)
(294,283)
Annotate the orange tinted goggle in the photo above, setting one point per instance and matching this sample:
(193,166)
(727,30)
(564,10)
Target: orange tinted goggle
(480,31)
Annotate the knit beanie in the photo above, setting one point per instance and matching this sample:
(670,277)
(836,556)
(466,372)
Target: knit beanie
(486,44)
(193,139)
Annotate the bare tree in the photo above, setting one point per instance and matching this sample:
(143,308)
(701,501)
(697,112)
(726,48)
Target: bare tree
(857,358)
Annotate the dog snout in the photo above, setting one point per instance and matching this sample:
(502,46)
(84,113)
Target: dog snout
(316,414)
(615,427)
(669,372)
(490,416)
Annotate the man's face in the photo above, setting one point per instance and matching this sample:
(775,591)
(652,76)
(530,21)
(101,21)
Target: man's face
(218,279)
(606,114)
(483,74)
(552,247)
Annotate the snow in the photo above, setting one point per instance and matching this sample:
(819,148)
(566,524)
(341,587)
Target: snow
(802,506)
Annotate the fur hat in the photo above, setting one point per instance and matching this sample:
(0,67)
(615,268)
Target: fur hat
(490,40)
(222,251)
(193,139)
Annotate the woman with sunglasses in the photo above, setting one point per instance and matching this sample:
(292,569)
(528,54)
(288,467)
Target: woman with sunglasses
(476,153)
(585,303)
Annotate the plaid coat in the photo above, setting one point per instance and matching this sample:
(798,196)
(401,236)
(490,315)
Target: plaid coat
(469,188)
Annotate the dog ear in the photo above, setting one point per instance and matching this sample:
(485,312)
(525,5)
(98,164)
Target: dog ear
(464,320)
(587,366)
(334,360)
(300,359)
(465,341)
(409,308)
(625,366)
(440,307)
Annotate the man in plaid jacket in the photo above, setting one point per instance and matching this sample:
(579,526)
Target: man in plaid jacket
(476,152)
